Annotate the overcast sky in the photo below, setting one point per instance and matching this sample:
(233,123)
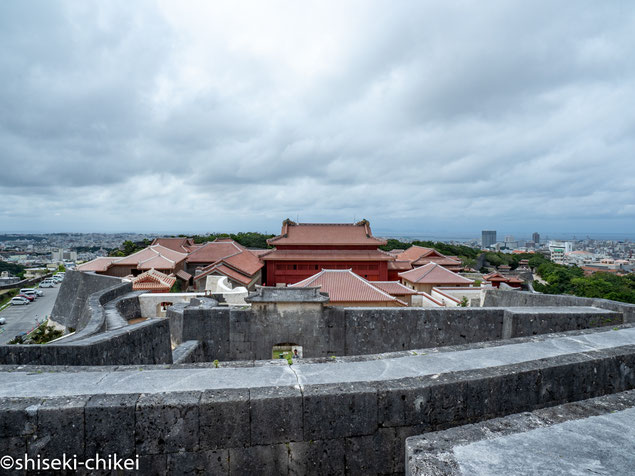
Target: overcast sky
(188,116)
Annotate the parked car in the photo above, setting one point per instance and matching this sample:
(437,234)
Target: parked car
(47,284)
(29,292)
(26,296)
(3,321)
(19,301)
(36,291)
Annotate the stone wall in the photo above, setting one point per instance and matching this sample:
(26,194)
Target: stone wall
(346,428)
(500,298)
(70,306)
(104,338)
(145,343)
(598,437)
(237,334)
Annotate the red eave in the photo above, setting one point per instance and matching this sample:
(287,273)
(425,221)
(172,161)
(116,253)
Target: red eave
(327,255)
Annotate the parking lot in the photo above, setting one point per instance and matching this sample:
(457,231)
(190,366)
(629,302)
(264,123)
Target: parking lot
(22,318)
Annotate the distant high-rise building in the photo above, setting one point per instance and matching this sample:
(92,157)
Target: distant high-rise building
(488,238)
(535,237)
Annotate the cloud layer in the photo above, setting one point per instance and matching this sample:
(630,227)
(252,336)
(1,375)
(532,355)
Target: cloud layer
(203,116)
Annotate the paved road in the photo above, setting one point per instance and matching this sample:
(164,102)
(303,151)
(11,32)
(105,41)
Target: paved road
(22,318)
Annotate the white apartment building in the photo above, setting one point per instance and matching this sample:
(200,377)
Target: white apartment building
(559,249)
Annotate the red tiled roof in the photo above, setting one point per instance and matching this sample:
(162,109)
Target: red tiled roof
(151,280)
(213,251)
(245,261)
(183,275)
(328,255)
(346,286)
(157,262)
(445,261)
(394,288)
(182,245)
(98,264)
(343,234)
(146,258)
(399,265)
(226,271)
(260,253)
(433,273)
(497,277)
(419,256)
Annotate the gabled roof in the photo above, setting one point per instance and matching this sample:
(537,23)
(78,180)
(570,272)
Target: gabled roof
(343,285)
(418,256)
(154,256)
(182,245)
(245,261)
(214,250)
(221,268)
(394,288)
(152,279)
(333,234)
(433,273)
(494,276)
(98,264)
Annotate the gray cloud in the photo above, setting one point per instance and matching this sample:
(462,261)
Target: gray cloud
(422,116)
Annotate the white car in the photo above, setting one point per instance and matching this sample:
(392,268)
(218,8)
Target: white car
(47,284)
(32,290)
(29,292)
(19,301)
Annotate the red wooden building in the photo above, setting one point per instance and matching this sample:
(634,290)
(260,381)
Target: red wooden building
(304,249)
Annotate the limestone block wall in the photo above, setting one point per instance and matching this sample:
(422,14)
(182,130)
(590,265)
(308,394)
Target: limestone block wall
(70,306)
(501,298)
(250,334)
(147,342)
(346,428)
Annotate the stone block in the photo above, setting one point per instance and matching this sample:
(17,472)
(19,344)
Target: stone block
(319,457)
(212,462)
(14,446)
(18,416)
(373,454)
(110,425)
(339,410)
(403,402)
(259,460)
(60,427)
(167,422)
(153,464)
(224,419)
(276,415)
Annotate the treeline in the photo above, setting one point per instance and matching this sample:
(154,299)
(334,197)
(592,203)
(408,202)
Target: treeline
(497,258)
(461,251)
(128,247)
(571,280)
(250,239)
(12,268)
